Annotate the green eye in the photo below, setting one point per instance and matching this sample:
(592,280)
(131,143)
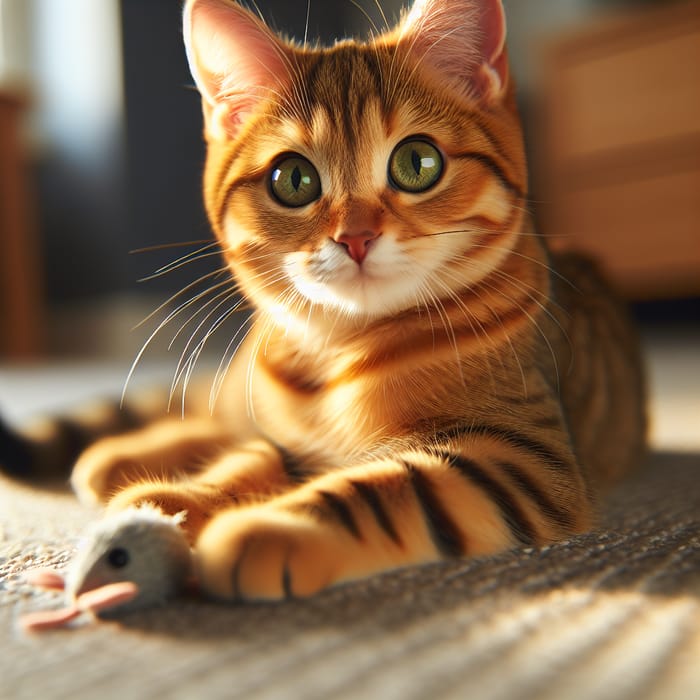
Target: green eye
(295,182)
(415,166)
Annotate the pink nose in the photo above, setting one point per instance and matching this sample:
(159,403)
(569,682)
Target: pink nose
(357,245)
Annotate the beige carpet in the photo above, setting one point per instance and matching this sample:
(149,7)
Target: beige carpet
(614,614)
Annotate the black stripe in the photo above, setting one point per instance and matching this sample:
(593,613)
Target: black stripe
(342,512)
(551,421)
(223,194)
(292,465)
(311,80)
(355,100)
(530,399)
(494,167)
(527,486)
(490,137)
(348,123)
(517,521)
(512,438)
(372,499)
(447,538)
(71,439)
(372,60)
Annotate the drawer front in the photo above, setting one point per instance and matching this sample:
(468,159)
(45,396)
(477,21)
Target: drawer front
(630,96)
(646,232)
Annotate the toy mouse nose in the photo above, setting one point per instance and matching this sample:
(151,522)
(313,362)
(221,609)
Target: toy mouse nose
(357,244)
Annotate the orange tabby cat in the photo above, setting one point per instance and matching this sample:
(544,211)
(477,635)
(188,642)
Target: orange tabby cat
(422,378)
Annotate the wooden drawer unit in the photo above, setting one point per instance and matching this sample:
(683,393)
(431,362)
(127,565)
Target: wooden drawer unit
(619,165)
(21,302)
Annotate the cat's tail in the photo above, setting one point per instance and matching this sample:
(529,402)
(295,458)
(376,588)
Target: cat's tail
(47,449)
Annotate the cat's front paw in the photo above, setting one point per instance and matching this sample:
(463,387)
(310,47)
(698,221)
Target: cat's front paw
(261,553)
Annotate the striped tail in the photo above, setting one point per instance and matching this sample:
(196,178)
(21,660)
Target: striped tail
(47,450)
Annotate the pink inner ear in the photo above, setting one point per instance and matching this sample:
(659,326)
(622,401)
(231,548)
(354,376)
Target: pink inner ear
(493,31)
(235,60)
(464,40)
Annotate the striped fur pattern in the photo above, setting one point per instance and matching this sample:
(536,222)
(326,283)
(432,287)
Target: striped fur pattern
(422,379)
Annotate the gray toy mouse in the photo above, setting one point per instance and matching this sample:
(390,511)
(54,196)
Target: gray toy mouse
(135,559)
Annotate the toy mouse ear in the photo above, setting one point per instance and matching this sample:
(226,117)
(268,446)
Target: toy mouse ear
(464,40)
(235,60)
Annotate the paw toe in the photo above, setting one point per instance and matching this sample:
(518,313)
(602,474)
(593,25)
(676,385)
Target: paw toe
(260,554)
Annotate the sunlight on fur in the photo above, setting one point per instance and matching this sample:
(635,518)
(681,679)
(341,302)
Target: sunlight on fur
(419,377)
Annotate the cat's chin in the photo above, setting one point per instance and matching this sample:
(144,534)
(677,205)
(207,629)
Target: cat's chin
(385,284)
(363,298)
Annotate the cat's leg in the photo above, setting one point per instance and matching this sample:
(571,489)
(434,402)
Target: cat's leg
(252,472)
(167,449)
(479,493)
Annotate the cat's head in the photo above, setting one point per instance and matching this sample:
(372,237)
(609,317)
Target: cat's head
(364,178)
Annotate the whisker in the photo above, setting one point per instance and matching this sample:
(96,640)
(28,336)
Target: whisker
(424,301)
(439,307)
(379,7)
(165,246)
(472,319)
(534,322)
(511,251)
(182,366)
(549,268)
(517,283)
(227,293)
(306,24)
(173,314)
(177,264)
(184,290)
(224,364)
(188,367)
(257,9)
(476,229)
(366,14)
(222,370)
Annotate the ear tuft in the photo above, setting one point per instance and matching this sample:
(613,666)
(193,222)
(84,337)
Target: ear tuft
(235,60)
(463,41)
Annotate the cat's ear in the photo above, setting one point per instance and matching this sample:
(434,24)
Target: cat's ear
(464,41)
(235,60)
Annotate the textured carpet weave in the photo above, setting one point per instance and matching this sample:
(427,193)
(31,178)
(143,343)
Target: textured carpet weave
(612,614)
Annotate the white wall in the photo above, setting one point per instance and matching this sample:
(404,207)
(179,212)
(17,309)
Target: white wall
(77,76)
(66,56)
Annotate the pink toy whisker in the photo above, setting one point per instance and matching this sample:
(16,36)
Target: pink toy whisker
(107,596)
(45,578)
(49,619)
(94,601)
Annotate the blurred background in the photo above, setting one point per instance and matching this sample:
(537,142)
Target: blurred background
(101,155)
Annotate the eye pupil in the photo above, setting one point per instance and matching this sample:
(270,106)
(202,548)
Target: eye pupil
(417,161)
(296,178)
(118,557)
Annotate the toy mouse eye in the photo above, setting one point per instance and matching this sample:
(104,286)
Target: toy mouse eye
(118,557)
